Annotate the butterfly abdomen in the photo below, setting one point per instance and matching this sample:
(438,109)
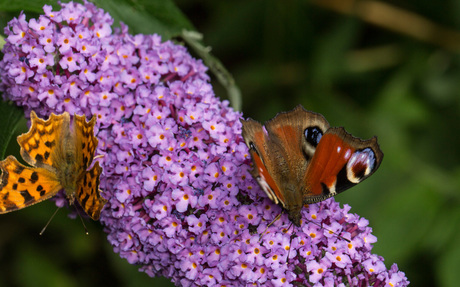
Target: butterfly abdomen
(66,165)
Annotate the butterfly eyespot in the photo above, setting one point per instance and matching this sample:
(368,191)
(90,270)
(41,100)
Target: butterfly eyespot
(360,165)
(313,135)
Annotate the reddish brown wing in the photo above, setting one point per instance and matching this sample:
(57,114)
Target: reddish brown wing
(340,162)
(258,142)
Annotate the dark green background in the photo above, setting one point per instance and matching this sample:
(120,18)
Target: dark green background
(368,78)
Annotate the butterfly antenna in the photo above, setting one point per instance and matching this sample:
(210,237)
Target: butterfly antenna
(49,221)
(82,222)
(330,231)
(270,224)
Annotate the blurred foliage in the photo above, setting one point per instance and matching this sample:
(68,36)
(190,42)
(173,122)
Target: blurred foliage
(392,72)
(10,117)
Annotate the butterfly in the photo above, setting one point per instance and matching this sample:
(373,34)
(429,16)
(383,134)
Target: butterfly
(299,159)
(59,159)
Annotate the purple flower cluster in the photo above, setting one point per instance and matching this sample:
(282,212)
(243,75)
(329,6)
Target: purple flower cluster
(181,201)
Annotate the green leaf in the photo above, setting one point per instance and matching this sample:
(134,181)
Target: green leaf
(148,16)
(9,117)
(24,5)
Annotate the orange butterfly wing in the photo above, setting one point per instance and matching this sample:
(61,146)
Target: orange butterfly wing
(22,186)
(88,193)
(87,190)
(38,145)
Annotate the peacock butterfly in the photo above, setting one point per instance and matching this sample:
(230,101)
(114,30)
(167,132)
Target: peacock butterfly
(299,159)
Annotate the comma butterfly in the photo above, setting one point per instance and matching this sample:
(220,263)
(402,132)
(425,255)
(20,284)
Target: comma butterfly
(59,158)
